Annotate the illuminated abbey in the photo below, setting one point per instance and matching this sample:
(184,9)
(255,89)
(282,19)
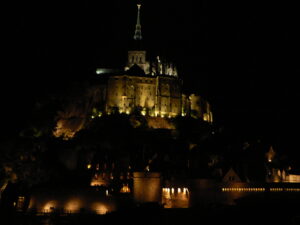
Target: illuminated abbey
(189,168)
(151,86)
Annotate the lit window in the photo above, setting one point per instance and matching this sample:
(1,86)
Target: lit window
(20,203)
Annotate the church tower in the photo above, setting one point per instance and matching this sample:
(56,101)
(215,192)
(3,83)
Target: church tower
(138,28)
(137,56)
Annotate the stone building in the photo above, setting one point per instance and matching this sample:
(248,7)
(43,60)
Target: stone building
(151,86)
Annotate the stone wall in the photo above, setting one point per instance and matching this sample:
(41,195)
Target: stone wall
(147,187)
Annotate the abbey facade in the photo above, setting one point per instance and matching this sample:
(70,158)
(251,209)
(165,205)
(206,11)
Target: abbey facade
(152,87)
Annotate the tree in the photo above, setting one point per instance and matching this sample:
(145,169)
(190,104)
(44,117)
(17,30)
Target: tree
(21,162)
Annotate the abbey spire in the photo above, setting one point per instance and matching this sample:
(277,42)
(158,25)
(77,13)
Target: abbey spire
(138,27)
(137,56)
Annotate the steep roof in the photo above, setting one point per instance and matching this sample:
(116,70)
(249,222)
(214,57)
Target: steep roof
(135,70)
(231,176)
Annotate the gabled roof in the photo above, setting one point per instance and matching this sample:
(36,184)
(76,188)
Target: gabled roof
(135,70)
(231,176)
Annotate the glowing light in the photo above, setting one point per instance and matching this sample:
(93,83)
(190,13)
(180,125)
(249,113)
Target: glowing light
(100,208)
(185,190)
(89,166)
(270,154)
(245,189)
(98,181)
(20,203)
(99,114)
(73,205)
(99,71)
(106,192)
(177,200)
(49,206)
(104,71)
(93,117)
(292,178)
(125,189)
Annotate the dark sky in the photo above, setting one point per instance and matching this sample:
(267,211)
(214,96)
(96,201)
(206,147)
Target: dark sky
(242,55)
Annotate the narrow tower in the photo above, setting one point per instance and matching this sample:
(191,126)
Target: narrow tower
(138,28)
(137,56)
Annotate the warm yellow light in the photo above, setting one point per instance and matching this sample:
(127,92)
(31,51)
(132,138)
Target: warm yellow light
(99,181)
(125,189)
(148,168)
(186,191)
(100,208)
(49,206)
(73,205)
(89,166)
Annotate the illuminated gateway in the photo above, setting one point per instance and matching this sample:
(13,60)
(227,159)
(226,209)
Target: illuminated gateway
(152,87)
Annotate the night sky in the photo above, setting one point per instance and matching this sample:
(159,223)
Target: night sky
(241,55)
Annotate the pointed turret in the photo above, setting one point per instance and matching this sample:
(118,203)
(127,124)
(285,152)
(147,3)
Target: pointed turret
(138,28)
(137,55)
